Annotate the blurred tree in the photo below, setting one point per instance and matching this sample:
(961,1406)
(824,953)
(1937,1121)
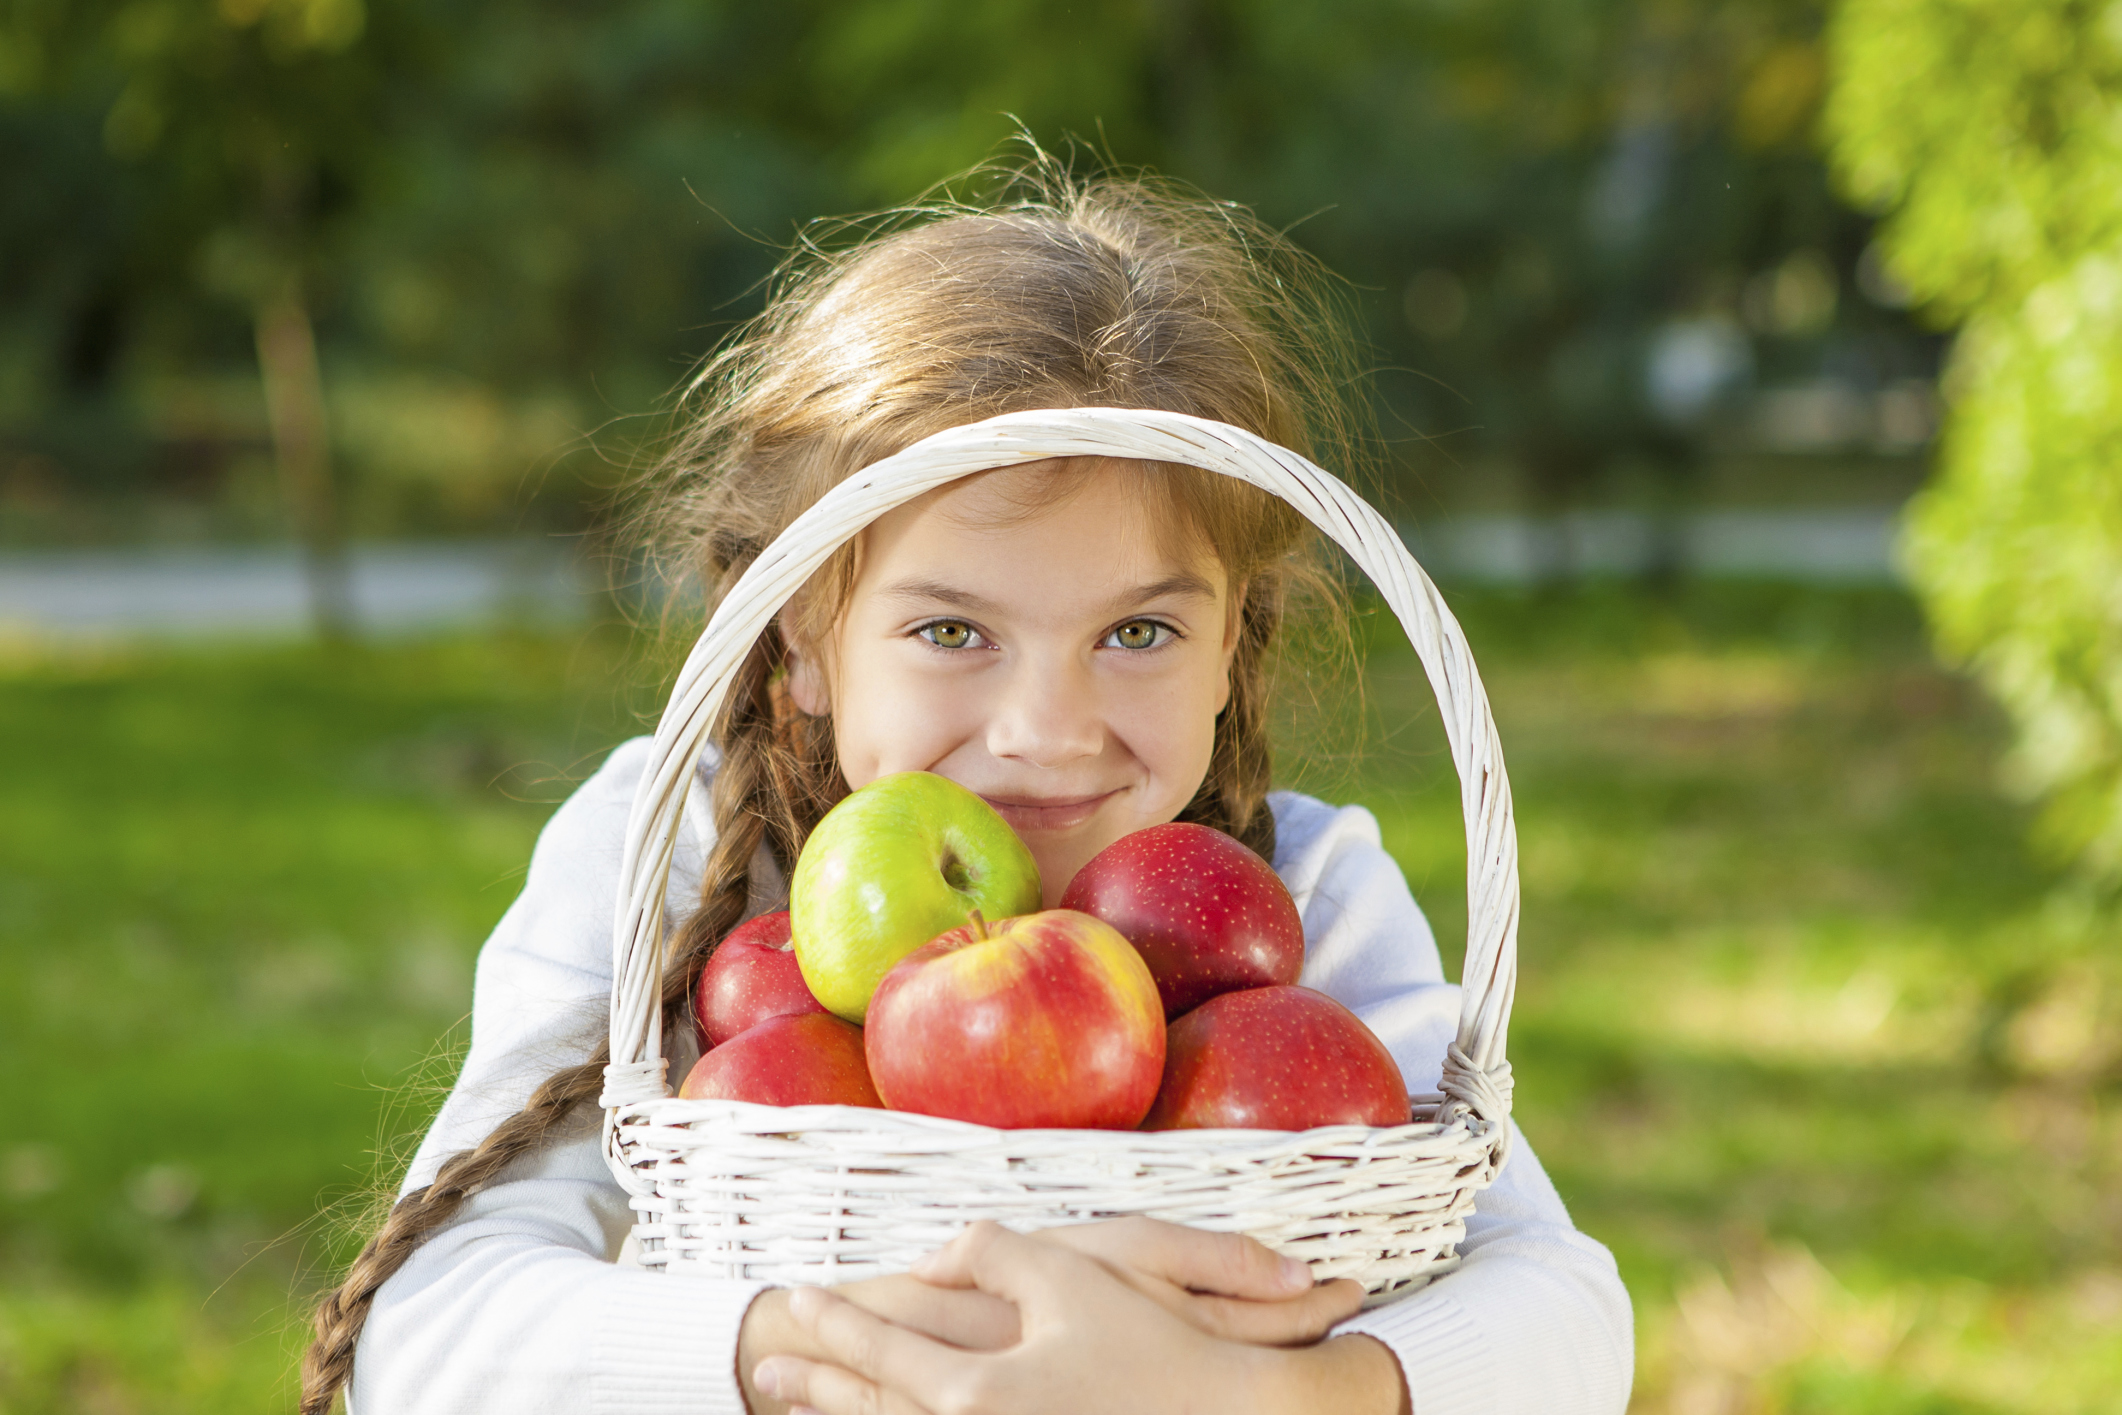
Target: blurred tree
(1552,207)
(249,125)
(1560,203)
(1557,214)
(1989,133)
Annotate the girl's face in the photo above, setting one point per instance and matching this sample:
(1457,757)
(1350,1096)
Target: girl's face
(1067,664)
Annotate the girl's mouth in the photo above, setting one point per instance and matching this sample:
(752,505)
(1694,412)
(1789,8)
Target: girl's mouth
(1032,813)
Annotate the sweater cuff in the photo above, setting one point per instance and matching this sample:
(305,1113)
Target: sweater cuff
(1443,1352)
(667,1343)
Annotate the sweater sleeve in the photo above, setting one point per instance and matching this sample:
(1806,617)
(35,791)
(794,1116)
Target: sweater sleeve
(516,1305)
(1535,1320)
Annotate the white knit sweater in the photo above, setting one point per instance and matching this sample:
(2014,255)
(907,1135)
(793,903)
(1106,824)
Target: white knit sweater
(520,1306)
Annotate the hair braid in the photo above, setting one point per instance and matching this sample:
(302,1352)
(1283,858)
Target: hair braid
(772,786)
(329,1363)
(1233,796)
(778,777)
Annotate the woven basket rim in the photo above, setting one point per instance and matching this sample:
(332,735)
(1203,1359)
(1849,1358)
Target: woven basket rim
(1476,1075)
(752,1117)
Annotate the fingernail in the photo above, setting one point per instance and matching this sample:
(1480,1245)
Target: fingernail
(768,1378)
(924,1265)
(1296,1272)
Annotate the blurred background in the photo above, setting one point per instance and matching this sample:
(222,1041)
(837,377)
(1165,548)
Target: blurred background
(1749,371)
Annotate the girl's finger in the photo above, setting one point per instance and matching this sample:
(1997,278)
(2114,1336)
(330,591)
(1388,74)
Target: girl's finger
(990,1257)
(827,1389)
(1294,1321)
(969,1320)
(1227,1264)
(964,1317)
(1187,1271)
(872,1348)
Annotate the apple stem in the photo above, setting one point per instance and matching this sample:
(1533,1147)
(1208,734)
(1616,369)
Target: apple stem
(979,926)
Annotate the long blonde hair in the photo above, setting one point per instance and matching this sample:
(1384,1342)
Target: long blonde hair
(1054,292)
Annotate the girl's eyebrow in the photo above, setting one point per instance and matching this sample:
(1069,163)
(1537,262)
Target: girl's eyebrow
(937,592)
(1184,584)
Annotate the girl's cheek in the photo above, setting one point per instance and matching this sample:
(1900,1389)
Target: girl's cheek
(889,723)
(1171,729)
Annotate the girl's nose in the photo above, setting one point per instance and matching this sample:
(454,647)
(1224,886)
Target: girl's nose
(1048,717)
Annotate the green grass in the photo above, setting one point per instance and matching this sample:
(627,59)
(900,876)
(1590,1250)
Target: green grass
(1805,1032)
(240,895)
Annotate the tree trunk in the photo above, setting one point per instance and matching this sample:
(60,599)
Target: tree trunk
(294,407)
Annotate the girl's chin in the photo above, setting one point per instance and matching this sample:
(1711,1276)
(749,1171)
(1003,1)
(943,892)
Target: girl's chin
(1060,854)
(1057,870)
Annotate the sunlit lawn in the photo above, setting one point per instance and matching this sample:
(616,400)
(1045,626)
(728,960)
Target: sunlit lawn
(1804,1032)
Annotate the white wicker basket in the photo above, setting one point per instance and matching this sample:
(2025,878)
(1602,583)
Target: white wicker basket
(832,1193)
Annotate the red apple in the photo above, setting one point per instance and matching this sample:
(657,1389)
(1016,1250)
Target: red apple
(1279,1058)
(1208,915)
(1045,1020)
(750,977)
(810,1059)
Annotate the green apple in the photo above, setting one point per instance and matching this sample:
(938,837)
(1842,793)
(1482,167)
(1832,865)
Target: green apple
(906,858)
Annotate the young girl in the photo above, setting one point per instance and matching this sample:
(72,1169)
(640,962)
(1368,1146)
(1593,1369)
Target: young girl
(1086,645)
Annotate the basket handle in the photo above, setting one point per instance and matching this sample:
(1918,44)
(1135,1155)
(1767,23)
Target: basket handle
(1476,1076)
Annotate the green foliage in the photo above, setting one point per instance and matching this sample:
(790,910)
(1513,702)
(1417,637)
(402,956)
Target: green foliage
(1990,132)
(548,211)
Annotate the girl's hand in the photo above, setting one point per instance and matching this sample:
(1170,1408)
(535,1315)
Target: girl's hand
(1226,1284)
(964,1318)
(1090,1340)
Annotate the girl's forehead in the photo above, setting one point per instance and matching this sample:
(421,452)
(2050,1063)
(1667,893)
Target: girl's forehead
(1118,506)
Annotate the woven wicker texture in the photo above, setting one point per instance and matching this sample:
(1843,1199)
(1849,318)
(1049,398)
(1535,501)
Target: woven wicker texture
(821,1194)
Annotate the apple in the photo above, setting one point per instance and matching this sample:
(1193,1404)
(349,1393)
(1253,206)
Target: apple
(1208,915)
(1279,1058)
(906,858)
(1049,1020)
(752,975)
(811,1058)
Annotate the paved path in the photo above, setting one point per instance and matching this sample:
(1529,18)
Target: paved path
(397,588)
(411,587)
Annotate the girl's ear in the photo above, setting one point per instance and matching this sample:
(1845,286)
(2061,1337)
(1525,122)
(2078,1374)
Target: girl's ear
(806,681)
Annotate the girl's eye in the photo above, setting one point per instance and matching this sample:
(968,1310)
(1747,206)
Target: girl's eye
(951,634)
(1138,634)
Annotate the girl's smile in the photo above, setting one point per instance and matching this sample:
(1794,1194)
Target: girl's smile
(1027,814)
(1042,636)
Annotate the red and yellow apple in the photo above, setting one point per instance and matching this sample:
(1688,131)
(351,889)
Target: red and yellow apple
(812,1058)
(751,976)
(1048,1020)
(1276,1058)
(897,863)
(1208,915)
